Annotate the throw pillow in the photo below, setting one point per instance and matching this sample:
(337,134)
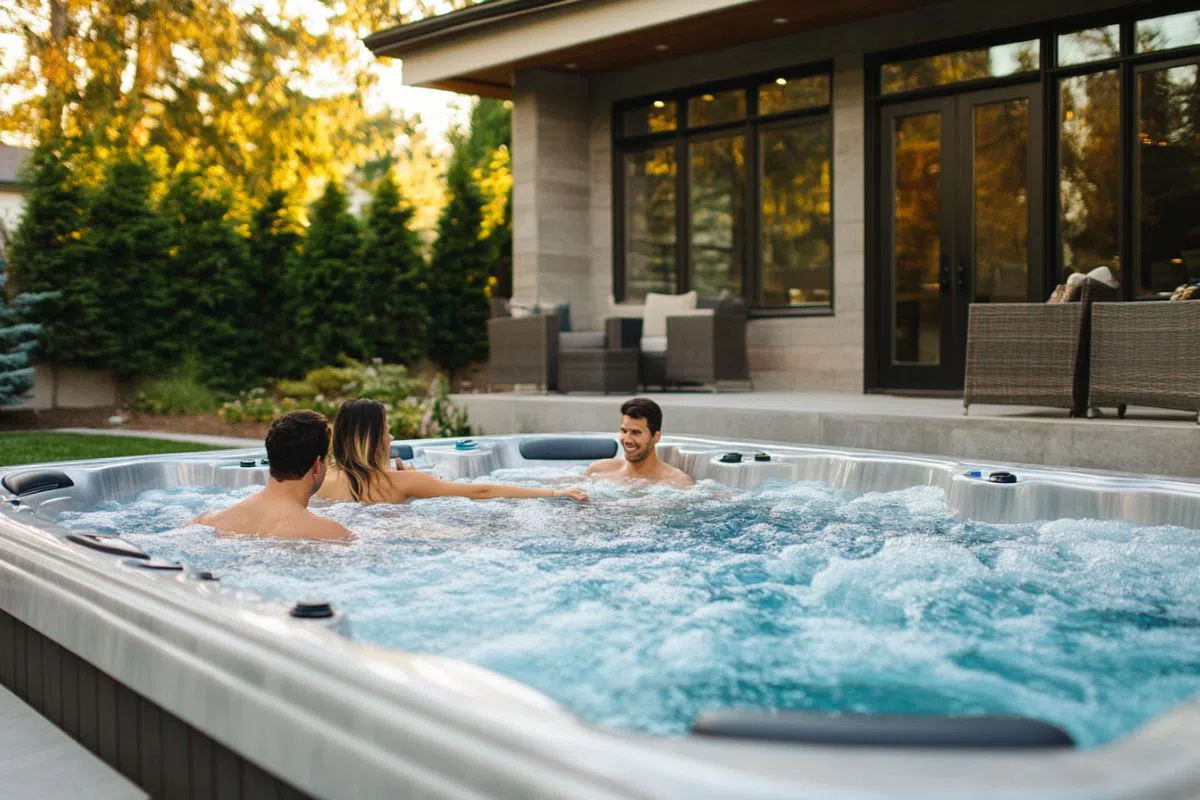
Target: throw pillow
(660,306)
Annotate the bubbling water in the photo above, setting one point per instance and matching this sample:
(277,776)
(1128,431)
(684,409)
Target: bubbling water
(652,604)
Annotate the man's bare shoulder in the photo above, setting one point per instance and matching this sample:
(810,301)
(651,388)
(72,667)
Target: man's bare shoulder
(677,477)
(604,465)
(321,528)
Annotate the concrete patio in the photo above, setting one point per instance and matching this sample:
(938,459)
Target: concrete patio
(1147,441)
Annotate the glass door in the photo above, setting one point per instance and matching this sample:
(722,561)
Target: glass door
(917,205)
(961,225)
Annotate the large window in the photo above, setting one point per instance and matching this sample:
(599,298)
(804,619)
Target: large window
(1123,165)
(727,190)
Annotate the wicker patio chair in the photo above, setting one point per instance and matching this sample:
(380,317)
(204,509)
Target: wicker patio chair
(1033,354)
(707,347)
(1146,354)
(523,350)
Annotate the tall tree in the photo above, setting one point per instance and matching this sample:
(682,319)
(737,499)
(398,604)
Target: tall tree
(48,252)
(458,277)
(274,239)
(127,241)
(328,286)
(394,273)
(210,267)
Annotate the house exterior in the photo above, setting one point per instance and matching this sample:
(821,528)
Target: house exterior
(859,171)
(12,196)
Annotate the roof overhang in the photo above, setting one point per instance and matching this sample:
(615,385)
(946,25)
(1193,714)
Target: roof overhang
(479,49)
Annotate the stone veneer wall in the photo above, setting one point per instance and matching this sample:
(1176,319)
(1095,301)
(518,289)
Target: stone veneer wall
(824,352)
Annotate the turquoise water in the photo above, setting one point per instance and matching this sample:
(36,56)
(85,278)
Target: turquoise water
(648,606)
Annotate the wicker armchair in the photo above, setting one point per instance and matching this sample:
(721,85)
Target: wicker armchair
(523,350)
(1033,354)
(707,348)
(1146,354)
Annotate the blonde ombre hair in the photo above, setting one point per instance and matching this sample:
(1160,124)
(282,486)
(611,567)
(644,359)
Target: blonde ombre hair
(361,444)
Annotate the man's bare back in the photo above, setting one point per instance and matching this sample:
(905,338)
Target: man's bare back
(258,516)
(297,444)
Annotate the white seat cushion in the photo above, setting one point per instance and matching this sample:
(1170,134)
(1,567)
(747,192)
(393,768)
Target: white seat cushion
(581,340)
(654,344)
(660,306)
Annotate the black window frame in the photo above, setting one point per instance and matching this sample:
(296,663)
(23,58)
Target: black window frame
(1049,75)
(680,137)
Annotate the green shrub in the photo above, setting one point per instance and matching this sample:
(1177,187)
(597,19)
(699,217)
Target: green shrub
(301,390)
(181,392)
(332,381)
(387,383)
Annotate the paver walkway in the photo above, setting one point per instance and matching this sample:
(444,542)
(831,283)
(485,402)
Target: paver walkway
(40,762)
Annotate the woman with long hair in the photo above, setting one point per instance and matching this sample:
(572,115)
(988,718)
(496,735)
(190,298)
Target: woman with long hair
(359,469)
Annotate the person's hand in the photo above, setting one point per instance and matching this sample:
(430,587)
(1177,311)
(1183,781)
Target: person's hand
(578,495)
(400,464)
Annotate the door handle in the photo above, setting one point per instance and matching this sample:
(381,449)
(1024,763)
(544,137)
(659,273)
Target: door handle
(944,274)
(962,274)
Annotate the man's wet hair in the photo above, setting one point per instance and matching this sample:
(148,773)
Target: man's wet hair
(294,441)
(644,408)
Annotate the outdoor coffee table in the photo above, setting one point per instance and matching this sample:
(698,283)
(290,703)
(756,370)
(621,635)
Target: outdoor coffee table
(598,370)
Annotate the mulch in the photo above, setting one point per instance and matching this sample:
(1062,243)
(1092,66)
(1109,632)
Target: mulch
(48,419)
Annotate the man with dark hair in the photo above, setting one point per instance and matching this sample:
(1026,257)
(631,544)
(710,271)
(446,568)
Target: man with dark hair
(641,428)
(297,444)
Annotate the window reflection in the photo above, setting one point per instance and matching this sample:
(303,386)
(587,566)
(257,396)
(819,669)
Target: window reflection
(1168,178)
(717,194)
(716,107)
(1166,33)
(1089,171)
(1094,44)
(793,94)
(918,241)
(963,65)
(650,222)
(654,117)
(796,223)
(1000,169)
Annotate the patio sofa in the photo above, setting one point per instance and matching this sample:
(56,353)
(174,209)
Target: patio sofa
(1035,354)
(1146,354)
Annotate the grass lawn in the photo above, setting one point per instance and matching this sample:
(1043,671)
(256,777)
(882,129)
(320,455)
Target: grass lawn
(30,447)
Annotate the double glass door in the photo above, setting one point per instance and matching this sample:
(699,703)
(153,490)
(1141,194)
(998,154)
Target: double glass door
(960,224)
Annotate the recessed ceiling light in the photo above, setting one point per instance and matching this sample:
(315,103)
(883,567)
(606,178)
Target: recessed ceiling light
(571,65)
(662,48)
(780,20)
(659,104)
(781,81)
(708,98)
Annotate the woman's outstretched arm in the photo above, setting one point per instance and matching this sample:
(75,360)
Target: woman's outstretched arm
(413,483)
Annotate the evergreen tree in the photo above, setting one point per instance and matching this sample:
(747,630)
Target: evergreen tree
(210,267)
(394,272)
(18,336)
(327,284)
(458,278)
(274,239)
(127,243)
(49,252)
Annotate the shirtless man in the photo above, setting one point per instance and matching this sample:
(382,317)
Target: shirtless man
(297,444)
(641,428)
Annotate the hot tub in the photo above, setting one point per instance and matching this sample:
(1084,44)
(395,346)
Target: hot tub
(199,687)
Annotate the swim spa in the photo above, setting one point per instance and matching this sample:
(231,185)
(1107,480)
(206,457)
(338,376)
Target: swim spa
(221,672)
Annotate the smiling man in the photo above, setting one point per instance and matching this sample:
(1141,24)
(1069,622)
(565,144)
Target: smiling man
(641,428)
